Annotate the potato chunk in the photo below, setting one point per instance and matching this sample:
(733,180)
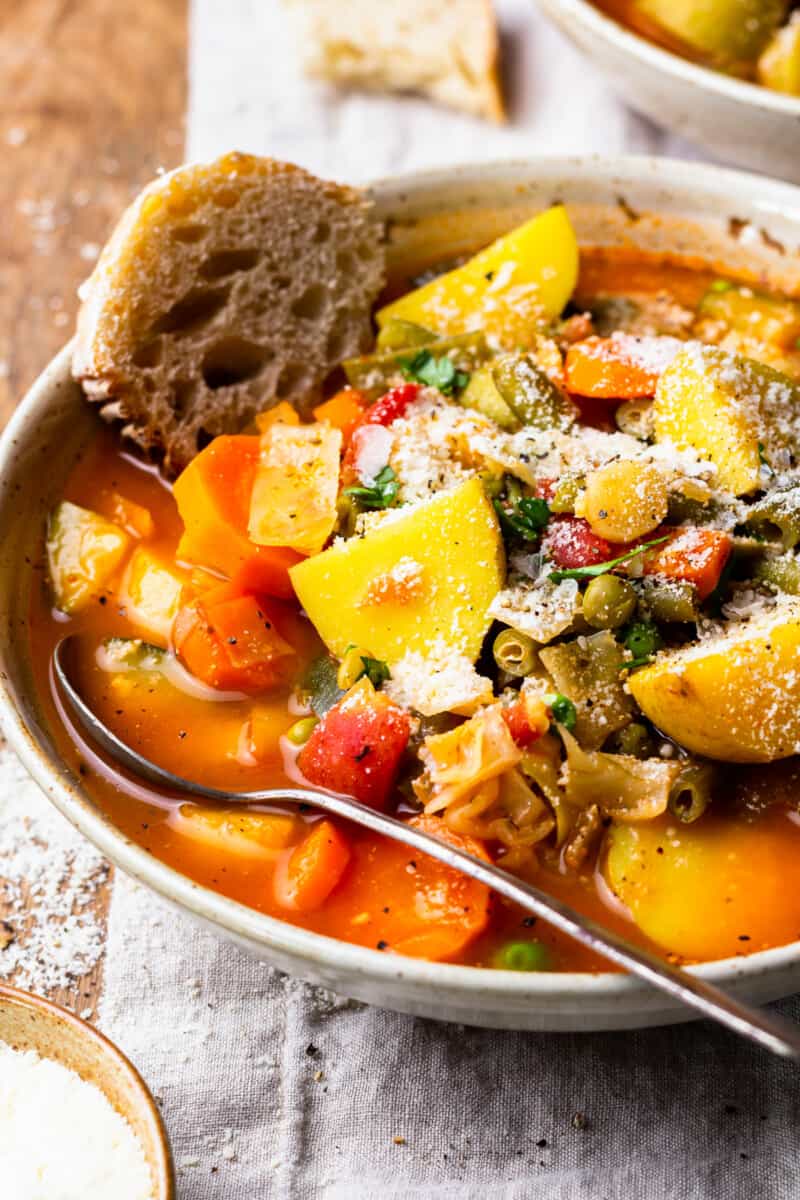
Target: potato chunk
(83,553)
(524,277)
(454,543)
(150,594)
(737,413)
(735,697)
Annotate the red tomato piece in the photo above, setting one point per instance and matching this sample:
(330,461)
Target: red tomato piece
(393,405)
(545,489)
(570,543)
(695,555)
(519,725)
(358,745)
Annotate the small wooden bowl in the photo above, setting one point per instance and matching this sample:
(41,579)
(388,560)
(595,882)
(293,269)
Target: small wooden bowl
(29,1023)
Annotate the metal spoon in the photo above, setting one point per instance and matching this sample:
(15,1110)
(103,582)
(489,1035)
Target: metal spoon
(766,1029)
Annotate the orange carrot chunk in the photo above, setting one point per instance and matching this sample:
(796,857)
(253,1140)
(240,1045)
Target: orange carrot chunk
(231,642)
(304,881)
(695,555)
(343,411)
(614,368)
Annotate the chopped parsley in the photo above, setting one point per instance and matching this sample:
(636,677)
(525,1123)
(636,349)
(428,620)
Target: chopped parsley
(526,518)
(602,568)
(375,670)
(382,493)
(442,373)
(762,458)
(563,710)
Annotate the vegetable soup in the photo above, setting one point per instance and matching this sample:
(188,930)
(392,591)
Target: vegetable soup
(526,576)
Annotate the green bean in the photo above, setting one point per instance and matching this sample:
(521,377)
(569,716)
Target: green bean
(635,739)
(523,956)
(781,572)
(608,602)
(531,394)
(690,794)
(398,334)
(672,600)
(776,518)
(635,417)
(566,494)
(514,653)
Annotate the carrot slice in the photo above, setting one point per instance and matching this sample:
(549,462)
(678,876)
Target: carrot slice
(304,880)
(343,411)
(609,369)
(231,642)
(213,498)
(695,555)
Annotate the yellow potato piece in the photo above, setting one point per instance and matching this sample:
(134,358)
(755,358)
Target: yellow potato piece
(707,890)
(732,411)
(150,594)
(230,831)
(293,502)
(736,697)
(522,278)
(453,543)
(83,553)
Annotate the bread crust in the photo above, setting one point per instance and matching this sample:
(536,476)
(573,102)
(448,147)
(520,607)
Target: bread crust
(224,288)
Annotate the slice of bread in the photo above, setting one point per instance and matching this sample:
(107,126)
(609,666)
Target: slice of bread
(448,50)
(225,288)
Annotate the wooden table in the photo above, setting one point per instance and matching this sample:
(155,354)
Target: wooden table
(93,101)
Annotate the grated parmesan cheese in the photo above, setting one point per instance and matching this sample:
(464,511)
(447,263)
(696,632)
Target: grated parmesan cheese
(60,1138)
(440,681)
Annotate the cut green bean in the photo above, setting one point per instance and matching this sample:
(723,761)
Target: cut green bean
(669,600)
(776,518)
(691,793)
(781,572)
(514,653)
(531,394)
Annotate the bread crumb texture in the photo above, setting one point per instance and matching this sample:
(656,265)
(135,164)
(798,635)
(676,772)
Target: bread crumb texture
(226,287)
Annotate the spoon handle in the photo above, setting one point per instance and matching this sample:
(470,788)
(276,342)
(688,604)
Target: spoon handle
(766,1029)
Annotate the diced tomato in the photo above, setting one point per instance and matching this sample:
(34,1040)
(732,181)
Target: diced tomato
(344,411)
(312,870)
(393,405)
(213,497)
(609,369)
(231,641)
(570,543)
(695,555)
(545,489)
(357,747)
(522,728)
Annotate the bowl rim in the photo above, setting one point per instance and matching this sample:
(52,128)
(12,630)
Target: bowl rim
(163,1164)
(742,91)
(246,924)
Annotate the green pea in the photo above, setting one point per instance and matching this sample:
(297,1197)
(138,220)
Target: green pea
(301,731)
(398,334)
(642,639)
(523,956)
(563,710)
(514,652)
(608,602)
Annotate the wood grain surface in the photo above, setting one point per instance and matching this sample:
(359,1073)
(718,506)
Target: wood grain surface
(92,103)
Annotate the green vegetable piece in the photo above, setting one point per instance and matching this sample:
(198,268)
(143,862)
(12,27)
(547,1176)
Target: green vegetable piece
(376,671)
(682,510)
(776,517)
(668,601)
(531,394)
(643,640)
(779,65)
(563,710)
(398,334)
(608,602)
(635,740)
(566,494)
(83,552)
(319,684)
(442,373)
(133,653)
(526,518)
(481,394)
(692,791)
(755,314)
(725,31)
(781,572)
(514,653)
(523,956)
(301,731)
(374,374)
(602,568)
(588,670)
(382,493)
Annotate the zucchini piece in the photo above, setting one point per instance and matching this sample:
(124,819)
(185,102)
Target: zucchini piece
(481,394)
(725,31)
(776,517)
(755,314)
(319,687)
(83,552)
(531,394)
(374,374)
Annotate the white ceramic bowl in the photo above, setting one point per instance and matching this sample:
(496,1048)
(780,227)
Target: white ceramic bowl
(740,122)
(741,223)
